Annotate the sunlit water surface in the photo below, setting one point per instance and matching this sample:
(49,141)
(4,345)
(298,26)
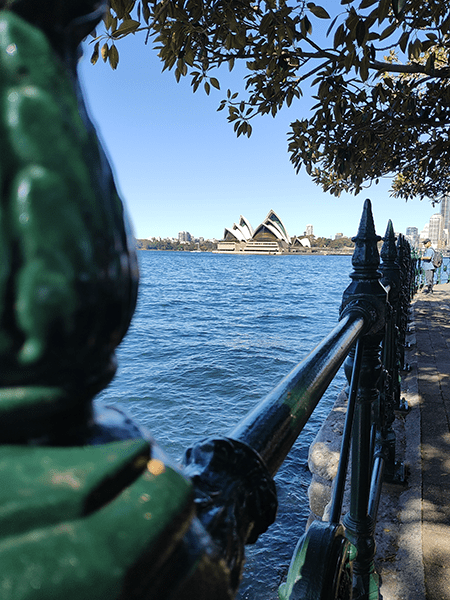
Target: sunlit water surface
(212,334)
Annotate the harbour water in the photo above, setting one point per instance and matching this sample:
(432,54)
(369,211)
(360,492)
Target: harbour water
(212,334)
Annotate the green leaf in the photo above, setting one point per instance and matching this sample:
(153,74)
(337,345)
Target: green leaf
(364,69)
(383,10)
(126,27)
(104,52)
(95,54)
(318,11)
(388,31)
(332,24)
(361,31)
(305,26)
(414,49)
(339,36)
(146,13)
(403,41)
(107,19)
(215,83)
(113,57)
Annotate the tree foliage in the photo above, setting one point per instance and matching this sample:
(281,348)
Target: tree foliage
(379,77)
(171,244)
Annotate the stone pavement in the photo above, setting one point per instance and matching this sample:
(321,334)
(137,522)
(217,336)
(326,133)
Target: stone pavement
(413,530)
(432,323)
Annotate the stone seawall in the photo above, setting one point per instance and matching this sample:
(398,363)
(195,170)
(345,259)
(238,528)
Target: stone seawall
(323,460)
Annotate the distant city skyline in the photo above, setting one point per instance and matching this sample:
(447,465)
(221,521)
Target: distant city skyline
(185,235)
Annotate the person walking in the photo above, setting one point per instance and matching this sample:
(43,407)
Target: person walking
(428,267)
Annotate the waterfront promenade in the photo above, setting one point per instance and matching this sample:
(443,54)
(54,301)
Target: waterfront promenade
(413,532)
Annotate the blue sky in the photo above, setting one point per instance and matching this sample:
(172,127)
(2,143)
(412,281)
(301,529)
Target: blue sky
(179,165)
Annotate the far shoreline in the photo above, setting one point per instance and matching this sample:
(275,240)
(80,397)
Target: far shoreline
(318,252)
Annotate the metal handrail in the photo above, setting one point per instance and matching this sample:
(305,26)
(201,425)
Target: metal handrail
(272,427)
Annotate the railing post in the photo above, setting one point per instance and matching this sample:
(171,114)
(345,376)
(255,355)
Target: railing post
(414,273)
(365,293)
(404,261)
(390,389)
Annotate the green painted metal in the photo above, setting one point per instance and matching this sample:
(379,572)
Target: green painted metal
(68,276)
(68,532)
(321,567)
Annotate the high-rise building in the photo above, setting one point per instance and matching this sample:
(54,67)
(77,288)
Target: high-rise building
(435,231)
(184,237)
(309,230)
(425,233)
(412,235)
(445,211)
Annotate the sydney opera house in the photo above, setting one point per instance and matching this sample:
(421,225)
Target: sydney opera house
(271,237)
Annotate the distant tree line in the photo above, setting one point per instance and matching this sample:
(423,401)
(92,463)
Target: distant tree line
(336,244)
(167,244)
(209,246)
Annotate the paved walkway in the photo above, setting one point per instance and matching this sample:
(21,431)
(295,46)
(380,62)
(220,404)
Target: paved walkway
(432,321)
(413,532)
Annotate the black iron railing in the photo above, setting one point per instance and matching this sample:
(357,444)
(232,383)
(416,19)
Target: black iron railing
(333,559)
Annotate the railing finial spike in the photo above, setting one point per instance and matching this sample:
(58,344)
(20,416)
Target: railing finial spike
(366,258)
(366,224)
(389,250)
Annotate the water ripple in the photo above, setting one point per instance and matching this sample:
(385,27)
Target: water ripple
(212,335)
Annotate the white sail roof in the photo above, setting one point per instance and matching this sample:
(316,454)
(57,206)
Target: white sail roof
(243,231)
(245,226)
(275,225)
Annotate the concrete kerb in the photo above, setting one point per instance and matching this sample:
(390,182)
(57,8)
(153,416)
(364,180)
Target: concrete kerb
(398,533)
